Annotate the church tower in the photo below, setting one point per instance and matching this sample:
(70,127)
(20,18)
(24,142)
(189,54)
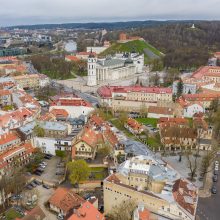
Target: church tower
(91,68)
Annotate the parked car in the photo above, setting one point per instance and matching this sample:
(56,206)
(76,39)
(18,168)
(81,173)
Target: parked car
(46,186)
(216,167)
(16,197)
(38,173)
(29,187)
(37,182)
(60,217)
(215,178)
(42,166)
(214,190)
(33,184)
(216,163)
(215,172)
(44,163)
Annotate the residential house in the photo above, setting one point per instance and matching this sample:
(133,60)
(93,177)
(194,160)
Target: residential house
(87,145)
(8,140)
(5,98)
(28,81)
(64,201)
(134,126)
(189,110)
(19,156)
(34,214)
(51,145)
(86,212)
(169,122)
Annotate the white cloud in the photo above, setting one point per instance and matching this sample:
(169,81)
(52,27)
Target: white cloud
(52,11)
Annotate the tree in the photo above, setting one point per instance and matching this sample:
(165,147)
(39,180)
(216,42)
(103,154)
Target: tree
(123,117)
(104,150)
(78,171)
(123,211)
(179,88)
(39,132)
(143,110)
(192,164)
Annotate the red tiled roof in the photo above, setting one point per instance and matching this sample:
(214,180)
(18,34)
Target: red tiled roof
(6,138)
(59,113)
(87,212)
(160,110)
(5,92)
(135,125)
(72,58)
(106,91)
(96,120)
(144,215)
(204,70)
(85,53)
(181,190)
(91,137)
(65,199)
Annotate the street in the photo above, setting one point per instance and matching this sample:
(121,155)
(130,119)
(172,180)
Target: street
(208,208)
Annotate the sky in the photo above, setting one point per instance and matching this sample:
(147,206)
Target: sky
(18,12)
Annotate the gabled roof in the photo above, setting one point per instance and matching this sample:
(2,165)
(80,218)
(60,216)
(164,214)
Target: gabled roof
(65,199)
(6,138)
(87,212)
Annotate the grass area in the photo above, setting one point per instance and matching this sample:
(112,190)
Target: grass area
(98,173)
(136,45)
(152,142)
(151,121)
(11,214)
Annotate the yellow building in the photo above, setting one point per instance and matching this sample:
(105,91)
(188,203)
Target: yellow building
(28,81)
(146,180)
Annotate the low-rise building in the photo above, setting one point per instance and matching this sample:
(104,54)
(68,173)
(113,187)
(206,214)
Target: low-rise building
(134,126)
(18,156)
(28,81)
(178,138)
(150,181)
(133,98)
(189,110)
(64,201)
(5,98)
(8,140)
(51,145)
(159,112)
(86,212)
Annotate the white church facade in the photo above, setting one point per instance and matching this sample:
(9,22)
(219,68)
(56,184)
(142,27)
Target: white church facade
(113,68)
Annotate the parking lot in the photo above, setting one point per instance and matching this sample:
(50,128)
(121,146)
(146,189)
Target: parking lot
(51,170)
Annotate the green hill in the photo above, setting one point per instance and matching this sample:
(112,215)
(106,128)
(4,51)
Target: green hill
(139,46)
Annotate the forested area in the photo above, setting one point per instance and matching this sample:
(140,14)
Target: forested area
(57,67)
(184,47)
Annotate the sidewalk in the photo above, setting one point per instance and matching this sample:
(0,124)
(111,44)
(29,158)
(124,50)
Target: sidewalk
(205,191)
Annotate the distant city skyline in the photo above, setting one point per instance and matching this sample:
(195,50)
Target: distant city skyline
(24,12)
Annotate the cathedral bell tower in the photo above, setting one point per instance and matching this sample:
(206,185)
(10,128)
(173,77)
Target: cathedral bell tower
(91,68)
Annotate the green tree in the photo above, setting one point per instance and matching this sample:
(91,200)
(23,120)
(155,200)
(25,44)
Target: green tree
(39,132)
(179,88)
(78,171)
(104,151)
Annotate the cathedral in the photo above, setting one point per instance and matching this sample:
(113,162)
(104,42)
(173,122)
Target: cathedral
(120,66)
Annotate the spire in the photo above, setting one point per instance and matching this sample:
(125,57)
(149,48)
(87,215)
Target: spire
(91,55)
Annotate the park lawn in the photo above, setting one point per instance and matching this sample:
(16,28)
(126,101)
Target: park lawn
(151,121)
(99,173)
(152,142)
(11,214)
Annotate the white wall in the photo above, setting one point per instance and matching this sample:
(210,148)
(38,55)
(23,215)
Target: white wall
(75,111)
(46,144)
(191,110)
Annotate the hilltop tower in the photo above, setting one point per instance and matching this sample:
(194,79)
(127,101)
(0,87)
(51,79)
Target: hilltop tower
(91,68)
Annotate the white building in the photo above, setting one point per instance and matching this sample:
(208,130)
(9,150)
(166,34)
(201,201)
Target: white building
(113,68)
(50,145)
(191,109)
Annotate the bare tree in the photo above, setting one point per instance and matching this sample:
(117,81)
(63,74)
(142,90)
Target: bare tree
(192,164)
(123,211)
